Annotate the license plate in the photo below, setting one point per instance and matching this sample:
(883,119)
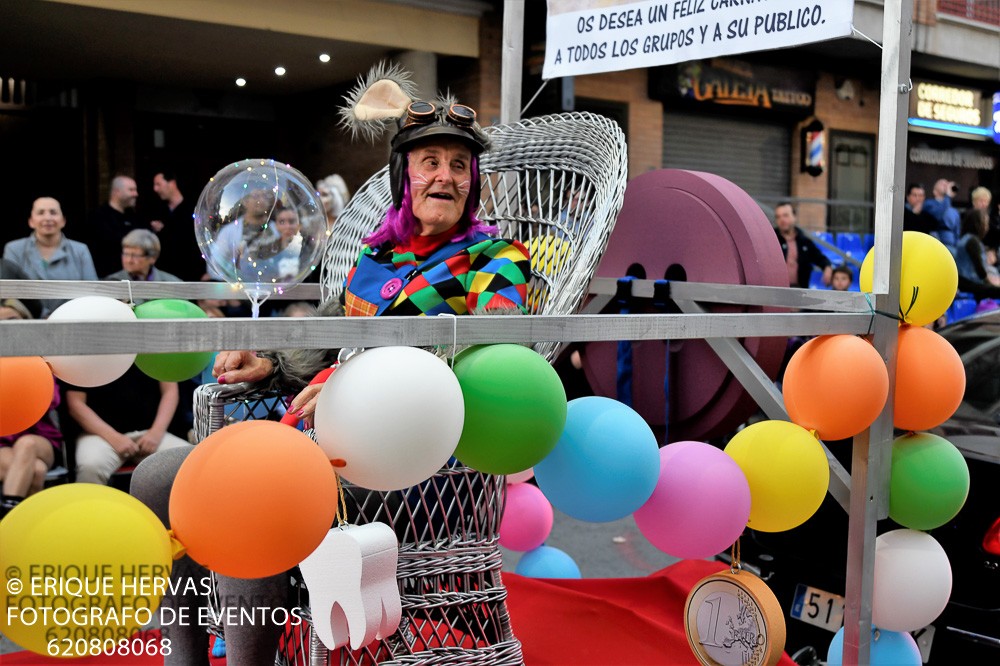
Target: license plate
(818,607)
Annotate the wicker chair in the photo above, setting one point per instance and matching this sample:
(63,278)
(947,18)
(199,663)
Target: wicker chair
(555,183)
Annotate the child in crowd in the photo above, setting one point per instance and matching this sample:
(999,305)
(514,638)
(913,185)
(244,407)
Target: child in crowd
(841,278)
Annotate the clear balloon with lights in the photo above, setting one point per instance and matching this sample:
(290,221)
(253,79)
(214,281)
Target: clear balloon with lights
(261,227)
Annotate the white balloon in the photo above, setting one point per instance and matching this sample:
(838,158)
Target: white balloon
(912,581)
(91,370)
(521,477)
(394,415)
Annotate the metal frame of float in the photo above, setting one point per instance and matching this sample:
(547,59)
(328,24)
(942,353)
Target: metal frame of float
(865,494)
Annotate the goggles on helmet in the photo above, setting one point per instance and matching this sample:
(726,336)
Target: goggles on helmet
(424,113)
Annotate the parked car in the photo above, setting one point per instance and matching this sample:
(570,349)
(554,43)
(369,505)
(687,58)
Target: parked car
(805,567)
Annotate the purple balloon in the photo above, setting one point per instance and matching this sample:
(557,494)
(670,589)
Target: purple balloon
(701,502)
(527,518)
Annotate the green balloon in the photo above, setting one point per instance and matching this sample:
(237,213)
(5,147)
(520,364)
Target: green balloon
(515,408)
(174,367)
(929,481)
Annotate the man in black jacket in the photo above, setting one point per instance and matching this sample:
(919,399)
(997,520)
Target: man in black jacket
(801,254)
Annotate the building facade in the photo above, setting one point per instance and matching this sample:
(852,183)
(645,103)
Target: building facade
(92,88)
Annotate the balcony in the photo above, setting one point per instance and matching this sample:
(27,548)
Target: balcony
(981,11)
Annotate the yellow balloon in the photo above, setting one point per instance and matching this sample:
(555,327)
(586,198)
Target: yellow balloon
(928,278)
(787,471)
(83,567)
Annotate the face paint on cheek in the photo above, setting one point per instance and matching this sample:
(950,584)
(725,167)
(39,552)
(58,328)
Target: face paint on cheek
(419,179)
(463,187)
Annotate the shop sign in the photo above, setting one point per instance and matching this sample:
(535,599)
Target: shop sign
(955,158)
(946,103)
(591,36)
(739,84)
(729,82)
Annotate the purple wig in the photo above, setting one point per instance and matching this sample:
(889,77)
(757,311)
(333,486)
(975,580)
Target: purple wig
(400,225)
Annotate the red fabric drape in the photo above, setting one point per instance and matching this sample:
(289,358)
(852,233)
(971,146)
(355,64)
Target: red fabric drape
(606,621)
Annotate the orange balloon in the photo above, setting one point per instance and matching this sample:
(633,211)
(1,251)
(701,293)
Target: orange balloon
(836,385)
(930,379)
(253,499)
(26,387)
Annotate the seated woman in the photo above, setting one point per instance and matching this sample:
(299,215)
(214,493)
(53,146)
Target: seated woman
(430,255)
(975,274)
(26,456)
(140,250)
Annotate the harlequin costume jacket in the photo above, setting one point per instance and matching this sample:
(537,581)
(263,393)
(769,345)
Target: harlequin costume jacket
(432,275)
(477,275)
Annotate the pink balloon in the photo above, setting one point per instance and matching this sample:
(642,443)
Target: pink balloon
(527,518)
(701,502)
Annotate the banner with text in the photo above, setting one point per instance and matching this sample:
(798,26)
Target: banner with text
(591,36)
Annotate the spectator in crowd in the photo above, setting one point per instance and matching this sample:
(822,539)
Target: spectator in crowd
(140,251)
(174,224)
(122,422)
(109,224)
(11,308)
(26,456)
(11,271)
(801,253)
(47,254)
(279,259)
(842,278)
(981,200)
(301,309)
(975,274)
(334,195)
(948,219)
(915,217)
(245,232)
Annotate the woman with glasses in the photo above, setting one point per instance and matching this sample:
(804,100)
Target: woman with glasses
(140,250)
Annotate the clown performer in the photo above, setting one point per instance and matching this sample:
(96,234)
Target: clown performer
(429,256)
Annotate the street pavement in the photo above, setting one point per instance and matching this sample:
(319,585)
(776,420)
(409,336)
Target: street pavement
(601,550)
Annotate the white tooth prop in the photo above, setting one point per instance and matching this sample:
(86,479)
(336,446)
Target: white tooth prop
(351,578)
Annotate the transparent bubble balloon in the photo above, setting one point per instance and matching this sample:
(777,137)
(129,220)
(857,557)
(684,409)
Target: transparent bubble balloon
(261,227)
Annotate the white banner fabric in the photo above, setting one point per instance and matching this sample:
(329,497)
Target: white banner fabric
(591,36)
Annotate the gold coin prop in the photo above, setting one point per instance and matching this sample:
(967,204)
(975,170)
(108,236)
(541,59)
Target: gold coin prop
(733,619)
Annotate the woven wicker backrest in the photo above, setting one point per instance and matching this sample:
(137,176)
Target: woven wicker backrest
(555,183)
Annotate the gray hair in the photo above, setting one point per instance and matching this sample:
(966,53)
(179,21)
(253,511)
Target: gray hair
(145,240)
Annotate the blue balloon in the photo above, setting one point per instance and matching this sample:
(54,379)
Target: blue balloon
(547,562)
(604,466)
(888,648)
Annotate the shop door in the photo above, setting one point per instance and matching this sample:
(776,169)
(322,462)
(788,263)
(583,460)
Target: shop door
(852,175)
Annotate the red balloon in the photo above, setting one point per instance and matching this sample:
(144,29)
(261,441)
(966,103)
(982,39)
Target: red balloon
(836,385)
(26,388)
(253,499)
(930,379)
